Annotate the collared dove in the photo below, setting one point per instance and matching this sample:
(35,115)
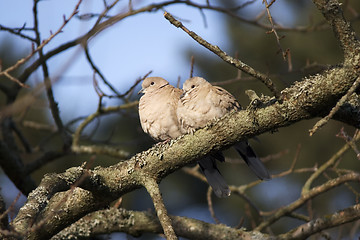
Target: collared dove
(157,111)
(202,103)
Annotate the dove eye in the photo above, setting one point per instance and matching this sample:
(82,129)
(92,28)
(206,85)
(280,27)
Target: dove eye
(152,83)
(192,86)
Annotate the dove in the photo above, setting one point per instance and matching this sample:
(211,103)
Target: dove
(157,111)
(202,103)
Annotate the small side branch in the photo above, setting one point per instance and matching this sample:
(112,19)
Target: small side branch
(333,13)
(341,217)
(97,70)
(232,61)
(273,29)
(7,71)
(341,102)
(153,189)
(76,147)
(309,195)
(326,165)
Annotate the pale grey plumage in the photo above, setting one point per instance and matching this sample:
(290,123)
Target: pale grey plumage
(202,103)
(157,109)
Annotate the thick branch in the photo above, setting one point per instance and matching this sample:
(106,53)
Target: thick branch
(332,11)
(136,223)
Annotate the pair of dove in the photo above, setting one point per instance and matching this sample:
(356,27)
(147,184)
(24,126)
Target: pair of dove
(167,112)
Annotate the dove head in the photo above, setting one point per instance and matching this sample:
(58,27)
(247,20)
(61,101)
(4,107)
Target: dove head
(153,84)
(194,83)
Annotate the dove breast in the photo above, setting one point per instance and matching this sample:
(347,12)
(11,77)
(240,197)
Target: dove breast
(157,109)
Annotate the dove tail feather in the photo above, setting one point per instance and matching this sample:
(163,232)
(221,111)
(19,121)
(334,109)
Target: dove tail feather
(214,177)
(254,163)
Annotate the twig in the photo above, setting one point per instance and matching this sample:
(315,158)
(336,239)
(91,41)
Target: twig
(354,177)
(131,89)
(230,60)
(178,82)
(10,209)
(97,70)
(248,201)
(153,189)
(350,141)
(44,43)
(76,147)
(342,100)
(273,30)
(210,205)
(326,165)
(329,221)
(255,22)
(47,81)
(194,172)
(39,126)
(310,210)
(22,138)
(192,66)
(17,31)
(299,216)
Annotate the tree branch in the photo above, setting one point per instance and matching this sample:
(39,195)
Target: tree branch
(332,11)
(333,111)
(153,189)
(136,223)
(309,195)
(228,59)
(44,43)
(329,221)
(76,147)
(326,165)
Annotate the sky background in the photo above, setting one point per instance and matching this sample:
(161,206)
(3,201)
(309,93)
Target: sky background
(124,52)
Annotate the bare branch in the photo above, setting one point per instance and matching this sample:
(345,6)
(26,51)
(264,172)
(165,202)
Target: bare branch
(210,205)
(326,165)
(44,43)
(342,29)
(273,30)
(329,221)
(351,177)
(333,111)
(136,223)
(230,60)
(153,189)
(97,70)
(76,147)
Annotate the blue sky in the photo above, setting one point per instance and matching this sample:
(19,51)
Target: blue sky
(123,52)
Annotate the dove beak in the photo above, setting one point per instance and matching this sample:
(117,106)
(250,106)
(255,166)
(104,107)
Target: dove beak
(141,91)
